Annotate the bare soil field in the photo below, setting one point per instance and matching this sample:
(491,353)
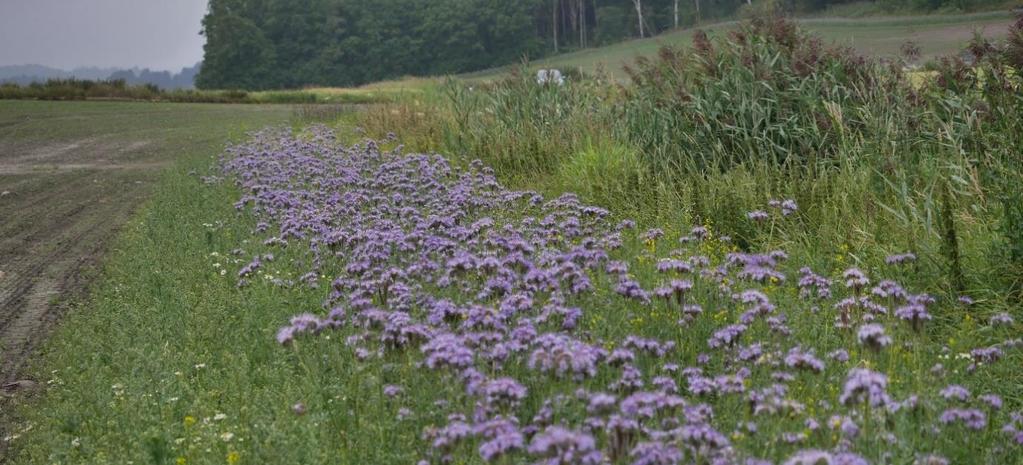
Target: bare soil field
(71,173)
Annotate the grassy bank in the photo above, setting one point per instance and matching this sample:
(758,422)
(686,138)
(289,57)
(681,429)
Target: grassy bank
(706,133)
(167,344)
(173,362)
(174,359)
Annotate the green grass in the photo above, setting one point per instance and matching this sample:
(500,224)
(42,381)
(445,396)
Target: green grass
(169,362)
(171,129)
(937,35)
(167,343)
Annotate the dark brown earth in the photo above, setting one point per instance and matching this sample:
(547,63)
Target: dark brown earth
(60,206)
(71,175)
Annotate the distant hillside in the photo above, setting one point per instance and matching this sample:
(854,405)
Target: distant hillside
(936,35)
(27,74)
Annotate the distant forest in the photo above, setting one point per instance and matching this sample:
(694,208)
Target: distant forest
(264,44)
(27,74)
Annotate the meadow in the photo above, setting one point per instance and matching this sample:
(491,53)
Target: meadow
(760,249)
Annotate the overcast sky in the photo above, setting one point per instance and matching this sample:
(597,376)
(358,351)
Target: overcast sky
(155,34)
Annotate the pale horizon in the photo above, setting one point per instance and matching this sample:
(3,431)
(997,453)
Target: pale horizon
(162,35)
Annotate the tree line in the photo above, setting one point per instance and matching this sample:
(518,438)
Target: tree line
(266,44)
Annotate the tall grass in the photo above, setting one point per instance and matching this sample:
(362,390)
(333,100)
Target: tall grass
(703,134)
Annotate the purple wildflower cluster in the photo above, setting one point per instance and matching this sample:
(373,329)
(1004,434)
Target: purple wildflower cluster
(500,294)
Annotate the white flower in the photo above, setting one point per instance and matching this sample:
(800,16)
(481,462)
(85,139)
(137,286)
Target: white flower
(227,436)
(219,416)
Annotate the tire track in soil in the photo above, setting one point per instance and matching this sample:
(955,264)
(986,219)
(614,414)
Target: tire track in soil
(42,281)
(65,235)
(71,175)
(55,225)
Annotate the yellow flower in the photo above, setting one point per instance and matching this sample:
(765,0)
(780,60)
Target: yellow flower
(233,457)
(189,421)
(180,461)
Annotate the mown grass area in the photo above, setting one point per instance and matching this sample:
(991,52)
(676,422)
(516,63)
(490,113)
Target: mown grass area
(173,362)
(190,128)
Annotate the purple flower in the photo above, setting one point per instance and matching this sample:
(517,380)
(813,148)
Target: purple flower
(447,350)
(625,224)
(451,434)
(899,259)
(304,323)
(789,206)
(972,418)
(653,234)
(392,391)
(601,403)
(1015,427)
(810,283)
(631,380)
(992,400)
(247,270)
(931,459)
(888,289)
(862,385)
(563,356)
(955,392)
(674,266)
(986,355)
(1001,319)
(655,453)
(757,215)
(631,289)
(839,355)
(855,279)
(650,346)
(703,437)
(504,392)
(759,267)
(915,314)
(500,436)
(649,404)
(797,358)
(726,336)
(819,457)
(560,446)
(845,424)
(873,336)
